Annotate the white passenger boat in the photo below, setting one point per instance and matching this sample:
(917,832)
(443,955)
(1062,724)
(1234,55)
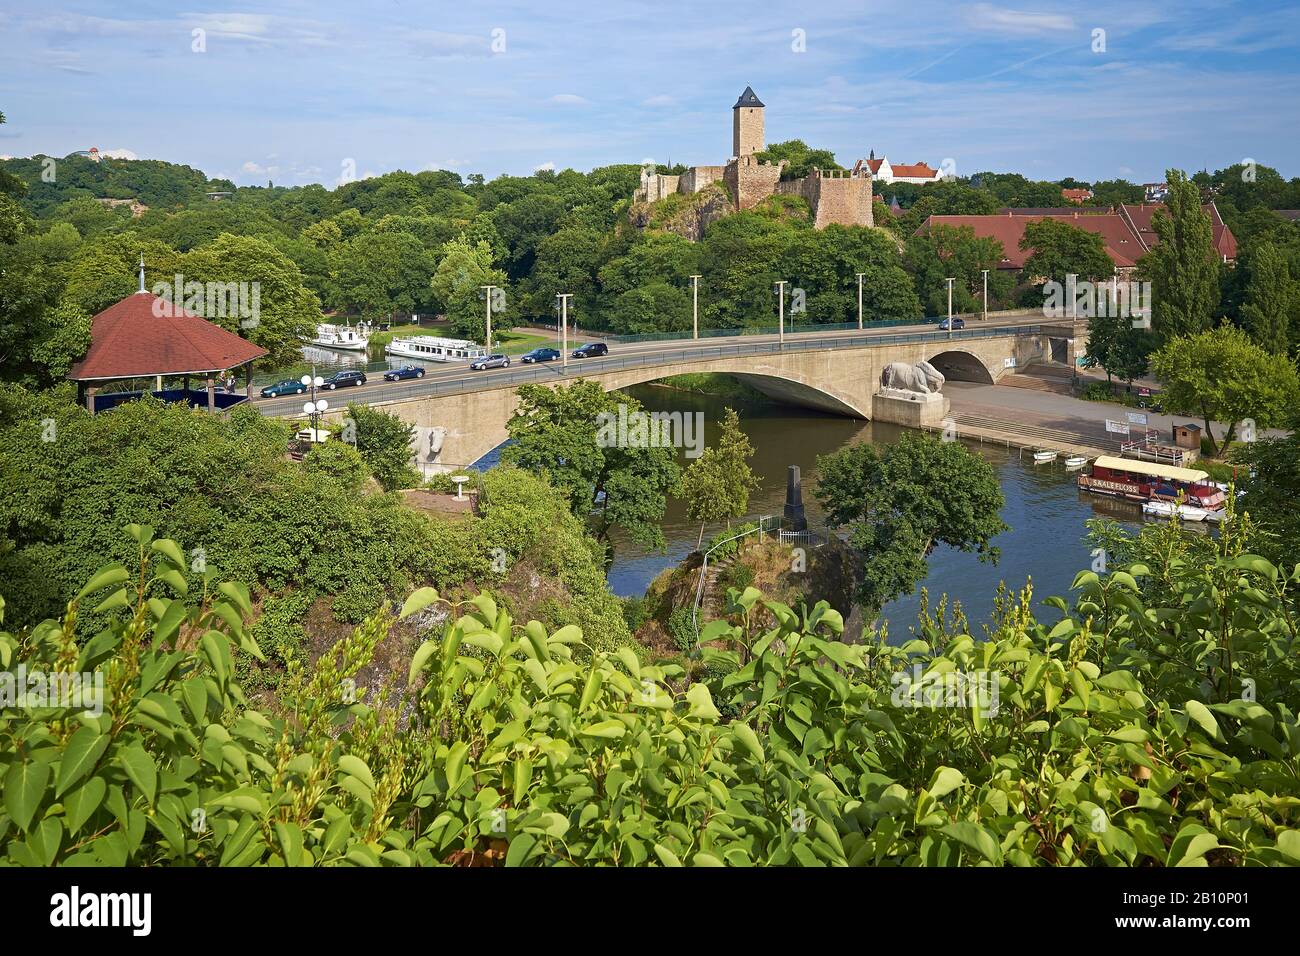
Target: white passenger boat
(430,348)
(347,337)
(1044,455)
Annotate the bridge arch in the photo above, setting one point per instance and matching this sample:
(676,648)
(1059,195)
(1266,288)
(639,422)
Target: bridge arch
(784,387)
(958,365)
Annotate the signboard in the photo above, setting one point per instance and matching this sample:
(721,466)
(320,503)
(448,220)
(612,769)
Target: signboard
(1119,428)
(1137,418)
(1009,362)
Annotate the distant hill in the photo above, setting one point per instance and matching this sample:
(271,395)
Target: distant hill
(156,184)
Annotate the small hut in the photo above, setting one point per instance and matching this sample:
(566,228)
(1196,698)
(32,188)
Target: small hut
(134,339)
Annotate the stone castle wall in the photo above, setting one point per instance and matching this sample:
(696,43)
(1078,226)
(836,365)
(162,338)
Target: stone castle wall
(697,177)
(750,182)
(834,197)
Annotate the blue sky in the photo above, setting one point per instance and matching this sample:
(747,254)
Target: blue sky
(290,91)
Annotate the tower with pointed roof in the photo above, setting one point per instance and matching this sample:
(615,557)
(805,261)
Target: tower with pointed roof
(747,124)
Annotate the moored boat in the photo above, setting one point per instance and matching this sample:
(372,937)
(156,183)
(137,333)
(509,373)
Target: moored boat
(1044,455)
(1163,490)
(1076,461)
(430,348)
(347,337)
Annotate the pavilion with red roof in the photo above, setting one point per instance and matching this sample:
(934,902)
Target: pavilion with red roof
(135,338)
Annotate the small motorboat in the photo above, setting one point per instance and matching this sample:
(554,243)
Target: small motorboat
(1044,455)
(1163,509)
(1076,461)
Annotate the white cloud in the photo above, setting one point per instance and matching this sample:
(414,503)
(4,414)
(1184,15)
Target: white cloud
(118,154)
(257,169)
(660,100)
(568,99)
(985,16)
(548,166)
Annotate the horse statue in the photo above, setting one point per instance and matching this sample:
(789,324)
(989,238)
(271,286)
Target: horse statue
(922,378)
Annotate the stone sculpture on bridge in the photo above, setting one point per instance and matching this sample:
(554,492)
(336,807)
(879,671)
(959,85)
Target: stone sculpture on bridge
(922,378)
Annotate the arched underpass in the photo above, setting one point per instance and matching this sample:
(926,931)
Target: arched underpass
(959,366)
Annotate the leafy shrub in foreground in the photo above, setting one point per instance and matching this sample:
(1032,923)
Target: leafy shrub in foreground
(518,746)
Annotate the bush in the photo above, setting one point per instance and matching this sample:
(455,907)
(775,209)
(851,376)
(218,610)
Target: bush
(384,441)
(681,627)
(1092,744)
(340,461)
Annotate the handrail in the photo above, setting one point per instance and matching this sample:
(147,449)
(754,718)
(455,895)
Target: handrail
(540,373)
(704,567)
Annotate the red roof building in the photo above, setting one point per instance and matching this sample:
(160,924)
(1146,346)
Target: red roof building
(1122,244)
(135,338)
(1140,215)
(1076,195)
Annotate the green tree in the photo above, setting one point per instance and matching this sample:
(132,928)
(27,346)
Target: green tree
(1061,250)
(900,503)
(378,274)
(1117,346)
(716,485)
(458,287)
(1272,300)
(800,160)
(1221,375)
(384,442)
(955,251)
(621,482)
(340,461)
(1183,267)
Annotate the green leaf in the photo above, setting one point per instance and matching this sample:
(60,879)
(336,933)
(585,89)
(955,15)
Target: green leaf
(83,751)
(109,576)
(1201,714)
(356,767)
(141,770)
(24,787)
(418,602)
(748,739)
(944,781)
(606,729)
(455,766)
(701,702)
(977,838)
(81,803)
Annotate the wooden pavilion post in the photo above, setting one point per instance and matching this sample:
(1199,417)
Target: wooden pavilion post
(248,381)
(212,394)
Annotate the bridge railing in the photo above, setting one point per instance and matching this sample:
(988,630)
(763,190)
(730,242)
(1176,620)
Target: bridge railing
(578,368)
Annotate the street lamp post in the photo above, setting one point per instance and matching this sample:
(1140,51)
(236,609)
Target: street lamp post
(950,282)
(986,295)
(313,408)
(1069,284)
(860,275)
(780,291)
(564,298)
(487,339)
(695,306)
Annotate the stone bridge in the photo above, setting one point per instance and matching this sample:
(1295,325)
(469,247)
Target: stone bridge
(833,373)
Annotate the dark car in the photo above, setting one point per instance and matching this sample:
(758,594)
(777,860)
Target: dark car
(405,371)
(345,379)
(956,324)
(591,349)
(290,386)
(492,361)
(540,355)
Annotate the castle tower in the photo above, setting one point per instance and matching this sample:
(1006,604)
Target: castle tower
(747,124)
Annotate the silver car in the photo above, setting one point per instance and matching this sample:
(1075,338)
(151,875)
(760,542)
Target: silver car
(492,361)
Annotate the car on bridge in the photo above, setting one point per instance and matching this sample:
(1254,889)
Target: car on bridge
(402,372)
(290,386)
(492,361)
(956,324)
(591,349)
(345,379)
(540,355)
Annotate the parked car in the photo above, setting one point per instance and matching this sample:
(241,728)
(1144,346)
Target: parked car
(345,379)
(405,371)
(591,349)
(540,355)
(290,386)
(492,361)
(956,324)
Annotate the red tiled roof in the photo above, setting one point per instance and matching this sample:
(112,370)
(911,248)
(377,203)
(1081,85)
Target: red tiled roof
(874,165)
(1122,245)
(127,340)
(915,171)
(1076,195)
(1140,215)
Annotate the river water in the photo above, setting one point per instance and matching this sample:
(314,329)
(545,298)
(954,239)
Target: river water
(1044,509)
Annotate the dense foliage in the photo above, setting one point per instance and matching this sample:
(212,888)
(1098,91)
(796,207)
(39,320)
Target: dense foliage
(1154,724)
